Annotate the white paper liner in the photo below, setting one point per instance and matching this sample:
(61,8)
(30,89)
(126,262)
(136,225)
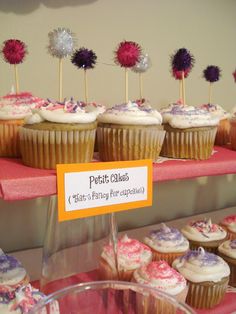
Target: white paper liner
(129,144)
(44,149)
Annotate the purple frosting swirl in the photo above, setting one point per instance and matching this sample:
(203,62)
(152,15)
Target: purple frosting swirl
(165,233)
(8,263)
(233,244)
(206,259)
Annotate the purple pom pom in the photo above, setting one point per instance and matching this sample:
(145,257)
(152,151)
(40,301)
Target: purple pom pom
(212,73)
(182,60)
(84,58)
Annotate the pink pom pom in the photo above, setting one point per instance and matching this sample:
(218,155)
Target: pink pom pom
(14,51)
(178,74)
(127,54)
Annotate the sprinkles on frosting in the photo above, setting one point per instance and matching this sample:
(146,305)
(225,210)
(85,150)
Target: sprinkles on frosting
(204,257)
(165,233)
(205,226)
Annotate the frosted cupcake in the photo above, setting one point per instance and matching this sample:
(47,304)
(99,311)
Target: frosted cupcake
(13,109)
(131,254)
(58,133)
(204,233)
(163,277)
(166,243)
(222,135)
(227,250)
(190,132)
(229,224)
(207,275)
(12,274)
(130,132)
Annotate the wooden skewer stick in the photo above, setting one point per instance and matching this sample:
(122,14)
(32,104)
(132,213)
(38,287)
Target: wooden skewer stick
(60,79)
(126,86)
(141,85)
(183,87)
(16,78)
(86,86)
(210,93)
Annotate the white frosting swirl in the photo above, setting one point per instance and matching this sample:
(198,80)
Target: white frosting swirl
(228,248)
(230,223)
(204,231)
(131,254)
(215,110)
(166,240)
(161,276)
(131,113)
(182,117)
(201,266)
(18,106)
(66,112)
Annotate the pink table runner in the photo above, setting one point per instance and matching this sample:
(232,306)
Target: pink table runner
(18,182)
(227,306)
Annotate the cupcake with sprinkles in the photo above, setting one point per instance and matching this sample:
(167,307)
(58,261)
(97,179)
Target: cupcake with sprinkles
(204,233)
(163,277)
(131,254)
(166,243)
(229,224)
(227,250)
(57,133)
(207,276)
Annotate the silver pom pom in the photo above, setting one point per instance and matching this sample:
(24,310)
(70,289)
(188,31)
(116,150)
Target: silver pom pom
(143,65)
(61,42)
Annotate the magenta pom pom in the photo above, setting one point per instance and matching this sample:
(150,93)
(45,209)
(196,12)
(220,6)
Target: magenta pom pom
(84,59)
(234,75)
(212,73)
(14,51)
(127,54)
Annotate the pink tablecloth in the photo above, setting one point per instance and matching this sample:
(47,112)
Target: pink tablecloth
(18,182)
(227,306)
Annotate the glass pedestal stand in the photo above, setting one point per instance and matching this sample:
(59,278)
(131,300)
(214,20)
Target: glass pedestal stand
(72,248)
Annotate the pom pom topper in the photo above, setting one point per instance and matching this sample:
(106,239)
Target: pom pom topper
(127,55)
(212,74)
(182,63)
(84,59)
(14,52)
(61,45)
(141,67)
(234,75)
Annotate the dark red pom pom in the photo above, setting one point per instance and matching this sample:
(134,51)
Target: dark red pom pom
(127,54)
(234,75)
(14,51)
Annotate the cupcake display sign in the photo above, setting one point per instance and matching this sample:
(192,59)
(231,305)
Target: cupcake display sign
(14,52)
(212,74)
(127,55)
(182,63)
(61,45)
(140,68)
(84,59)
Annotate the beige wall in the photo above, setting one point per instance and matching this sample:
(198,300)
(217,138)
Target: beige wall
(205,27)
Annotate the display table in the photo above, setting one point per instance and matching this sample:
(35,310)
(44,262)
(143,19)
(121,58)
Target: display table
(18,182)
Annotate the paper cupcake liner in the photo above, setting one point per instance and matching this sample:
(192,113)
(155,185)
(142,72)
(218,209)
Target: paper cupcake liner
(194,143)
(46,148)
(210,247)
(124,143)
(233,134)
(230,235)
(9,138)
(206,295)
(168,257)
(222,134)
(151,305)
(107,273)
(232,265)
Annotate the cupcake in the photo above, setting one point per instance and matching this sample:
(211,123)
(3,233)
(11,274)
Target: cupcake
(13,109)
(131,254)
(229,224)
(23,300)
(222,134)
(204,233)
(130,132)
(58,133)
(190,132)
(166,243)
(232,134)
(227,250)
(163,277)
(12,274)
(207,275)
